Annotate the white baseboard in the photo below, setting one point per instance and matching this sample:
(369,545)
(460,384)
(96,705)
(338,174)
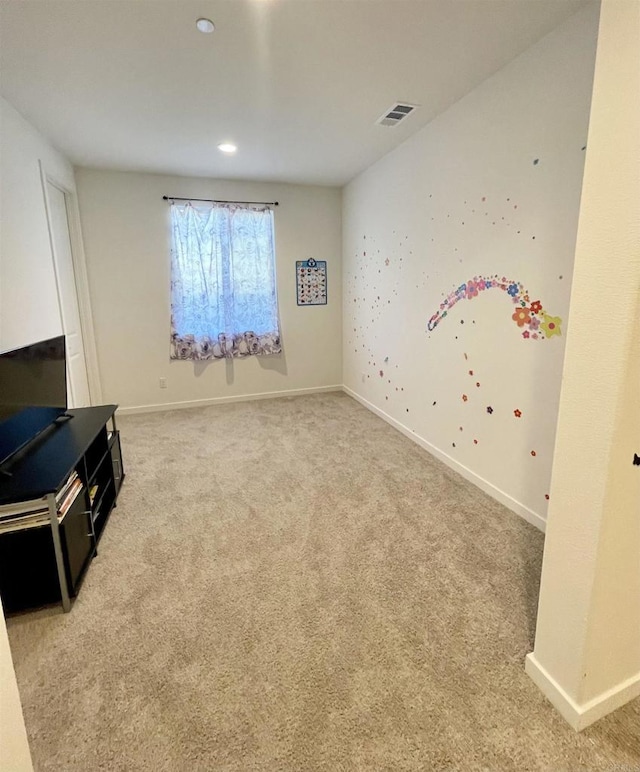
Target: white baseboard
(515,506)
(580,716)
(225,400)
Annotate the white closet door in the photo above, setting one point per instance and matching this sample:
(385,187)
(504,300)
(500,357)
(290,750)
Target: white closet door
(77,382)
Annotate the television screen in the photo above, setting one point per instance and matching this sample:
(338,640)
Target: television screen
(33,392)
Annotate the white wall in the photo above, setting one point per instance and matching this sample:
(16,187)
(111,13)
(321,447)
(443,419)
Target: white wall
(28,312)
(28,297)
(126,237)
(490,188)
(587,652)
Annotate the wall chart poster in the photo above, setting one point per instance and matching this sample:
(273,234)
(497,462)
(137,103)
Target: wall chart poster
(311,280)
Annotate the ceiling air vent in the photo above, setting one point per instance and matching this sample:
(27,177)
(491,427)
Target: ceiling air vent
(396,114)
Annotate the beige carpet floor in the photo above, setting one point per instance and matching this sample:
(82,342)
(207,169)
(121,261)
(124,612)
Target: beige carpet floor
(293,585)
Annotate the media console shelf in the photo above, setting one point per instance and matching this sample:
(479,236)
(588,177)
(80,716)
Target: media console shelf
(54,506)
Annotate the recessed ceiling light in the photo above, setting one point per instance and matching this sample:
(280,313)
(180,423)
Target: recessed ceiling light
(205,25)
(227,147)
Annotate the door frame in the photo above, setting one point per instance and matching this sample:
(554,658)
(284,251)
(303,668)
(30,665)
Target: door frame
(80,277)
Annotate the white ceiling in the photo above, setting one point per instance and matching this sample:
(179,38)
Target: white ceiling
(297,84)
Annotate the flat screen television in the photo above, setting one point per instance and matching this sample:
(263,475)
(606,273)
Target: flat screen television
(33,392)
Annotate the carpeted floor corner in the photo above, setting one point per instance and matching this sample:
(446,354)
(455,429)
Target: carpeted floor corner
(293,585)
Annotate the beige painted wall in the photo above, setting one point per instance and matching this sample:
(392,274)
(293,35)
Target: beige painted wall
(28,296)
(587,651)
(126,236)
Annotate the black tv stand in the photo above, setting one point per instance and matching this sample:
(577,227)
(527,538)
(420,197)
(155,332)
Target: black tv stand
(54,504)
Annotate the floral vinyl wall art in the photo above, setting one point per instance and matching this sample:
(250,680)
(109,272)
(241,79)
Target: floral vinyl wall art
(530,316)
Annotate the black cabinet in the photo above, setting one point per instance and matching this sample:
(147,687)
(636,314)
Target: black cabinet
(78,541)
(28,571)
(28,568)
(54,507)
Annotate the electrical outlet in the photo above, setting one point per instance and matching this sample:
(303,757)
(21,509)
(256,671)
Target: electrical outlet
(163,382)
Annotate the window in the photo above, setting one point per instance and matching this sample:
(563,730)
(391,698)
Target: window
(223,282)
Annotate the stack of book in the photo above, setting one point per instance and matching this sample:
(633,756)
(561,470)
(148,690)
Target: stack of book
(24,514)
(32,514)
(67,494)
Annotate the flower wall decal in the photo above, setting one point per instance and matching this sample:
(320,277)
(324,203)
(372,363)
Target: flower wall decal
(551,325)
(525,315)
(536,307)
(521,317)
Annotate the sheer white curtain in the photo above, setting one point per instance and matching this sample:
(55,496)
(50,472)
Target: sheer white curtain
(223,282)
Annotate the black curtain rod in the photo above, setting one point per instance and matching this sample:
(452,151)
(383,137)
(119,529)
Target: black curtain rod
(218,201)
